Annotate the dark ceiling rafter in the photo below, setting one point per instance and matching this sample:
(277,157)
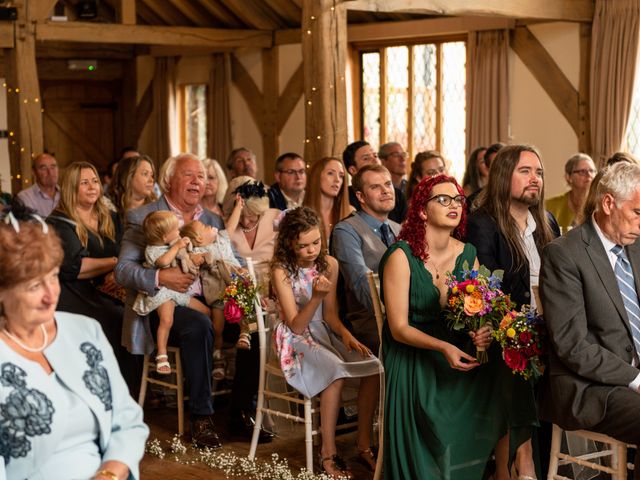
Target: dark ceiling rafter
(251,16)
(287,10)
(198,17)
(169,14)
(220,11)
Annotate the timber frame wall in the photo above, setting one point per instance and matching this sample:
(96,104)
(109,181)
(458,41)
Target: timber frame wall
(324,36)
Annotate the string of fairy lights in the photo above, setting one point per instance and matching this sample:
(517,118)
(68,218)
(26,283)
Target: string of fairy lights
(309,100)
(12,137)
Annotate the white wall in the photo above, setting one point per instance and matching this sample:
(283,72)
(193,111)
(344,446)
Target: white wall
(5,170)
(534,117)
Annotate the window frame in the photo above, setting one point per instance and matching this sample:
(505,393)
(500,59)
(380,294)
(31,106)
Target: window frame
(379,46)
(181,98)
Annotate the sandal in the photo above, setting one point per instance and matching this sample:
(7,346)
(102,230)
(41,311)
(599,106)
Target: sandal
(367,458)
(163,367)
(337,467)
(219,370)
(244,342)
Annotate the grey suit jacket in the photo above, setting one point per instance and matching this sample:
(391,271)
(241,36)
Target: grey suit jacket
(129,272)
(591,347)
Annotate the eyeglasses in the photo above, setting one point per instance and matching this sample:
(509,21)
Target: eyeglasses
(585,172)
(445,200)
(301,173)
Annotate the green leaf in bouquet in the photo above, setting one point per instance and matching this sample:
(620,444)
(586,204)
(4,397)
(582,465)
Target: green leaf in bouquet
(499,274)
(484,271)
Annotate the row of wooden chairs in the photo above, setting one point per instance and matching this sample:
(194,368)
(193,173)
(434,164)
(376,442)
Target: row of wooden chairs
(613,450)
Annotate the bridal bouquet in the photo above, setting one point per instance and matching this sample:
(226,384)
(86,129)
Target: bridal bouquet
(239,299)
(521,336)
(476,300)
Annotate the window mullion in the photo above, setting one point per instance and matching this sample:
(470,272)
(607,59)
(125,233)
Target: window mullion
(439,99)
(410,146)
(383,96)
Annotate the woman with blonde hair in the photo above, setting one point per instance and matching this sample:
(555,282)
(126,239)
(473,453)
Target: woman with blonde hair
(215,186)
(86,227)
(328,194)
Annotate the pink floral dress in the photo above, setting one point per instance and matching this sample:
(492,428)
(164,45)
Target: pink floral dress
(316,358)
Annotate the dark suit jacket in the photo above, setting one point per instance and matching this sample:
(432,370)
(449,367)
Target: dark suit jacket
(591,343)
(493,252)
(129,272)
(276,197)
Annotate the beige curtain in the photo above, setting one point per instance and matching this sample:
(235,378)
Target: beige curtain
(487,88)
(219,134)
(165,142)
(614,50)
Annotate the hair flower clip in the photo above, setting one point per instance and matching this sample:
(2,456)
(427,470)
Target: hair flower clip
(251,189)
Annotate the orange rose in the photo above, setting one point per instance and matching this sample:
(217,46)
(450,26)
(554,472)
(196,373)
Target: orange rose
(506,321)
(472,305)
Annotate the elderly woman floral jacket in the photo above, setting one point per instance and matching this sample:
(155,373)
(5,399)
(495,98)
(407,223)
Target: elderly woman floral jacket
(40,434)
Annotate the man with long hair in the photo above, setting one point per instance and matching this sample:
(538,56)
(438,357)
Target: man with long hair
(509,230)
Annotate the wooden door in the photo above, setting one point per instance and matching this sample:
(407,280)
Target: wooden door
(81,120)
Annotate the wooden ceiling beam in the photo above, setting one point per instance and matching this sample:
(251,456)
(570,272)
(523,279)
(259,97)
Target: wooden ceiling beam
(126,12)
(414,29)
(566,10)
(6,35)
(41,9)
(251,15)
(218,10)
(287,10)
(546,71)
(169,14)
(196,16)
(148,15)
(153,35)
(80,50)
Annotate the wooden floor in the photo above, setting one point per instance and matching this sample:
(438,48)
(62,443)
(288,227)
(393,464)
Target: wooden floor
(288,445)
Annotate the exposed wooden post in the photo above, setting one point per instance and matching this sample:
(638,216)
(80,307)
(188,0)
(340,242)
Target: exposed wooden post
(324,51)
(270,96)
(126,10)
(24,115)
(584,114)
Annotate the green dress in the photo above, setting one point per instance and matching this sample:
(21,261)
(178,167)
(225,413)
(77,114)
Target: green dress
(441,423)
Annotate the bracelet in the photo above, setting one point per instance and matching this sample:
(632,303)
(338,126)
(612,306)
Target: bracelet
(106,473)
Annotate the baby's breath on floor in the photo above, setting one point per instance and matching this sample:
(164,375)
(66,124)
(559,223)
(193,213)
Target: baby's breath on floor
(229,463)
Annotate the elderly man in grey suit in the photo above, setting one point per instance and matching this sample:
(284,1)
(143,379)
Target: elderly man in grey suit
(182,179)
(589,284)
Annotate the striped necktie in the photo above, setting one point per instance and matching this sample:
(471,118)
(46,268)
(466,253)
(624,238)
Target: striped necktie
(626,284)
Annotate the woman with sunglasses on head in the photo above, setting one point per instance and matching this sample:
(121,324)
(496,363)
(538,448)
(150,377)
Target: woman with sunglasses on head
(444,414)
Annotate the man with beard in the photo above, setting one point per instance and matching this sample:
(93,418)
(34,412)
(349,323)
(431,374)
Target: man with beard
(358,243)
(509,230)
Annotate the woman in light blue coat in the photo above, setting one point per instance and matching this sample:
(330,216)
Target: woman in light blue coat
(65,410)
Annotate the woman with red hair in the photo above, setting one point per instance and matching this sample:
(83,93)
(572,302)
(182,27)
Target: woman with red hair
(444,414)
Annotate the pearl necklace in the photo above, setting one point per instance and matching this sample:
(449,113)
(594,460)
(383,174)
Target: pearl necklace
(23,346)
(251,229)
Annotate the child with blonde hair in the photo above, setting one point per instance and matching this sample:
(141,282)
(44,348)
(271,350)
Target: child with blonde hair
(166,248)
